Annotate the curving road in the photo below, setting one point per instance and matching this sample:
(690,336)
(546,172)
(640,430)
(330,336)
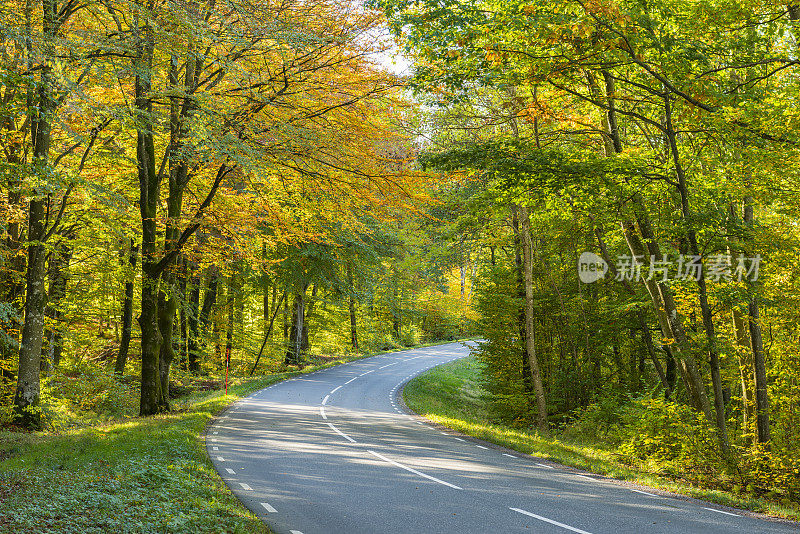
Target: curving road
(331,452)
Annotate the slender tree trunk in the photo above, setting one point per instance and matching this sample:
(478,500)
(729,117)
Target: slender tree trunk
(351,307)
(127,311)
(705,308)
(530,346)
(294,353)
(193,320)
(58,275)
(527,377)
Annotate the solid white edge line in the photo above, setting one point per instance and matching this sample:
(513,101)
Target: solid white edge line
(269,508)
(412,470)
(345,436)
(334,390)
(546,520)
(643,492)
(325,400)
(322,412)
(720,512)
(245,486)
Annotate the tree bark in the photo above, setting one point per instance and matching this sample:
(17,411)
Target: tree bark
(127,311)
(351,307)
(26,395)
(530,346)
(58,275)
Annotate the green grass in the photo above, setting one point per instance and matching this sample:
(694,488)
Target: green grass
(452,396)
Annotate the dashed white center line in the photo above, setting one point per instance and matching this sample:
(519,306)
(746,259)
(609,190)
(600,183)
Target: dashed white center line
(230,471)
(459,439)
(245,486)
(482,447)
(322,412)
(215,432)
(388,365)
(214,448)
(325,400)
(643,492)
(269,508)
(509,455)
(547,466)
(546,520)
(295,532)
(350,380)
(220,459)
(720,512)
(412,470)
(345,436)
(587,478)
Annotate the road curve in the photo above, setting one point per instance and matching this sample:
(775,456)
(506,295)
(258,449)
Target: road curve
(331,452)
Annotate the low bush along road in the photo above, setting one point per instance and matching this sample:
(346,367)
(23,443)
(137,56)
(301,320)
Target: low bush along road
(334,452)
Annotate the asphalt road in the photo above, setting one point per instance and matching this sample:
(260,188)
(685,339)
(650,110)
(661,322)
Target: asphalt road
(332,452)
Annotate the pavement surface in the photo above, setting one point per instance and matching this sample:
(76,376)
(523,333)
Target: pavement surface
(334,452)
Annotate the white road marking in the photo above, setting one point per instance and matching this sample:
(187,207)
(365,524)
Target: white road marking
(214,448)
(334,390)
(546,520)
(720,512)
(350,380)
(388,365)
(322,412)
(215,432)
(325,400)
(509,455)
(295,532)
(547,466)
(245,486)
(412,470)
(230,471)
(269,508)
(213,440)
(220,459)
(587,478)
(643,492)
(345,436)
(459,439)
(482,447)
(443,433)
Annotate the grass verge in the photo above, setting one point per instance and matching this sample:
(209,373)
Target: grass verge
(451,395)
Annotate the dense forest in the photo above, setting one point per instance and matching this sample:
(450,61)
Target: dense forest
(606,192)
(234,176)
(632,167)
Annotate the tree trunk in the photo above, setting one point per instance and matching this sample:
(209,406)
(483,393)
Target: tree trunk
(527,377)
(26,396)
(127,311)
(58,275)
(530,346)
(294,352)
(351,307)
(193,320)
